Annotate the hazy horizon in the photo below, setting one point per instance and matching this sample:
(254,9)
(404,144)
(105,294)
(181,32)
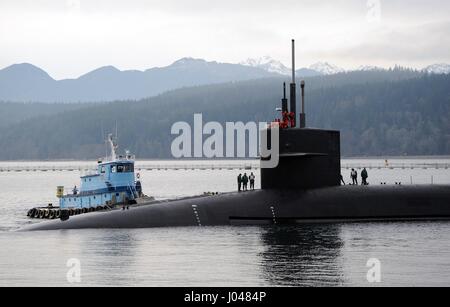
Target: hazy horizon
(68,38)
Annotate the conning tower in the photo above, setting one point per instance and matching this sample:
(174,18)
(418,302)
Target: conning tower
(308,158)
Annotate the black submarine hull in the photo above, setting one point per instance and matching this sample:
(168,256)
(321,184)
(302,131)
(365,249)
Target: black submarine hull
(332,204)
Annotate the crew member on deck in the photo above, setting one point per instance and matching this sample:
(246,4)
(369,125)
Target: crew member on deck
(75,190)
(245,182)
(139,188)
(239,180)
(364,177)
(354,176)
(252,181)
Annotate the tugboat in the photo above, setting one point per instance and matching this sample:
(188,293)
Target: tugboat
(113,184)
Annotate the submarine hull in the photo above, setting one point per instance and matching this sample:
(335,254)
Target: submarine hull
(331,204)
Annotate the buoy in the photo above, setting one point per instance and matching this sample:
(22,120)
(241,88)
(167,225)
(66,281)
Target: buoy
(51,214)
(58,214)
(46,213)
(84,210)
(77,211)
(91,209)
(30,212)
(71,212)
(41,214)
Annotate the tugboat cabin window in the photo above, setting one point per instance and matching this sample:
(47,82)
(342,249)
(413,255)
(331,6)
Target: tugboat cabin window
(122,168)
(103,170)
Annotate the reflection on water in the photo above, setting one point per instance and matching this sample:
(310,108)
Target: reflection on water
(302,255)
(112,254)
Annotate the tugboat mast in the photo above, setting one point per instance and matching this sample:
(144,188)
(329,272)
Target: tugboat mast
(114,147)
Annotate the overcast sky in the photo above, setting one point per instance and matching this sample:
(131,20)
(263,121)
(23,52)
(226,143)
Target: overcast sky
(70,37)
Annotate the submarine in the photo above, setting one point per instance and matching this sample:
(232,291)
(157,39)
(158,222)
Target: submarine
(304,187)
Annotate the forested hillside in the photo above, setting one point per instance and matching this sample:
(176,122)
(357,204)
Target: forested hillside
(15,112)
(401,113)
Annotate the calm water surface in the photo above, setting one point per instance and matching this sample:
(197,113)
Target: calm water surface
(411,254)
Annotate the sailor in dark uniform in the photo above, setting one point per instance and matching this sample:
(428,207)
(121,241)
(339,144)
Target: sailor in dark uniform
(139,188)
(364,176)
(245,182)
(239,181)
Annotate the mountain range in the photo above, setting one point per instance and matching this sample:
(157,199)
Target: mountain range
(28,83)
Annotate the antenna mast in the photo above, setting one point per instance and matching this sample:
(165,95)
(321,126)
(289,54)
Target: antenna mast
(293,108)
(113,146)
(303,115)
(117,136)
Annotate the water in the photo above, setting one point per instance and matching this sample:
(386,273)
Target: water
(411,253)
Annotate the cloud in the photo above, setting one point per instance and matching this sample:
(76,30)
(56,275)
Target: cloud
(69,37)
(416,46)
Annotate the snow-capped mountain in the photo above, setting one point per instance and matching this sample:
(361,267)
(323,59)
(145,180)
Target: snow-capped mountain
(268,64)
(438,69)
(326,68)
